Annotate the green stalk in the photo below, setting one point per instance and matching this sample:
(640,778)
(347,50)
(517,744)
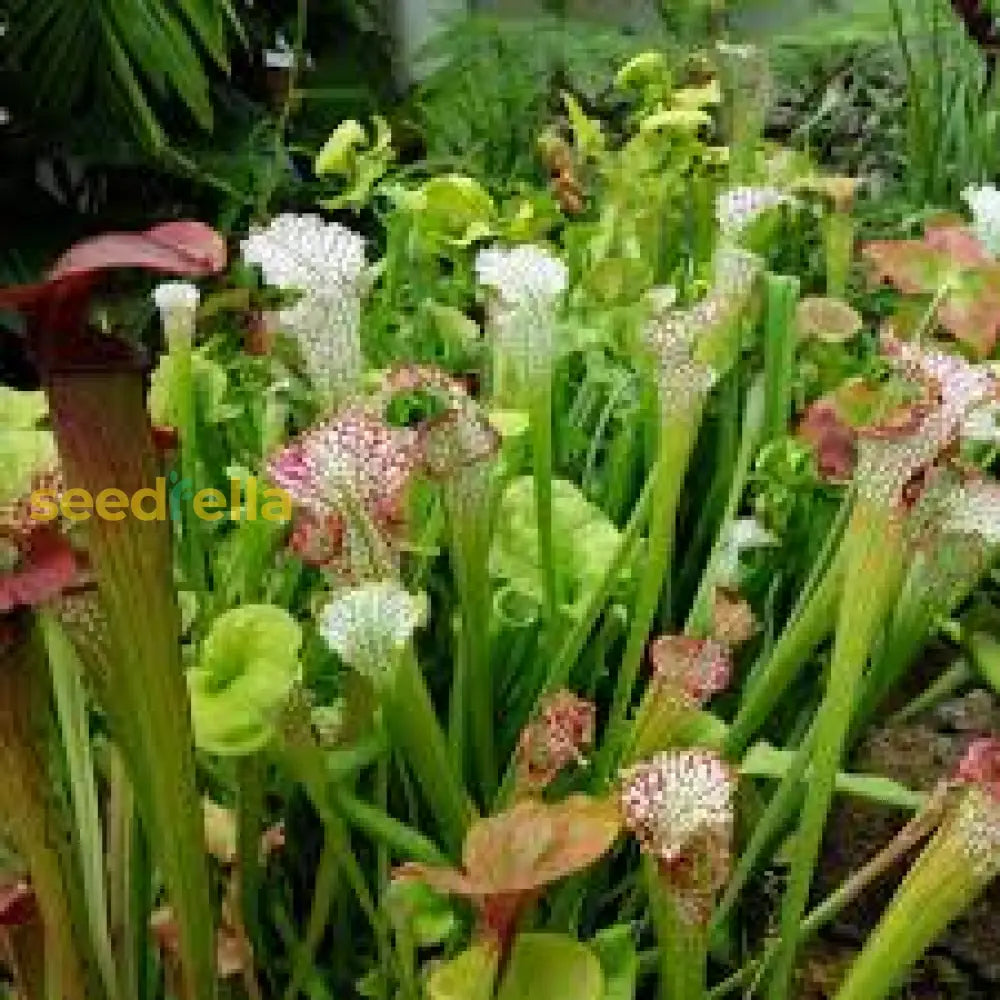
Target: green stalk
(182,390)
(31,822)
(846,893)
(827,553)
(564,661)
(873,570)
(458,705)
(414,728)
(946,685)
(103,433)
(473,683)
(780,335)
(542,458)
(127,881)
(943,882)
(677,440)
(698,622)
(935,584)
(250,793)
(305,759)
(797,643)
(838,237)
(780,809)
(785,801)
(683,943)
(324,893)
(384,829)
(74,723)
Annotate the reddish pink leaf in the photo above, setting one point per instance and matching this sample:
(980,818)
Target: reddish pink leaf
(959,243)
(733,621)
(185,249)
(557,738)
(833,441)
(981,766)
(908,265)
(48,567)
(17,904)
(527,847)
(165,438)
(182,248)
(972,314)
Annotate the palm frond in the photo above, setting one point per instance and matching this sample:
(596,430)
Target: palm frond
(133,54)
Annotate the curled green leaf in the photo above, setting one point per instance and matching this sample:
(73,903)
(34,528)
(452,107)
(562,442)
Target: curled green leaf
(338,153)
(247,668)
(454,209)
(209,383)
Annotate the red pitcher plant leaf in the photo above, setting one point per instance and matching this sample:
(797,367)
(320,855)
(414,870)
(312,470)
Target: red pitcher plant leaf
(509,857)
(958,242)
(185,248)
(948,254)
(96,395)
(47,567)
(981,766)
(557,738)
(534,843)
(833,440)
(700,668)
(910,266)
(17,903)
(60,303)
(971,313)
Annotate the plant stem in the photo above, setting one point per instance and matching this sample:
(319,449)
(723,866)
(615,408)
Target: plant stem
(102,429)
(850,890)
(324,894)
(780,337)
(184,395)
(127,880)
(942,883)
(383,828)
(542,458)
(416,732)
(874,554)
(780,809)
(71,710)
(698,619)
(933,587)
(473,682)
(683,943)
(33,824)
(677,440)
(249,825)
(838,237)
(305,758)
(800,638)
(576,638)
(947,684)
